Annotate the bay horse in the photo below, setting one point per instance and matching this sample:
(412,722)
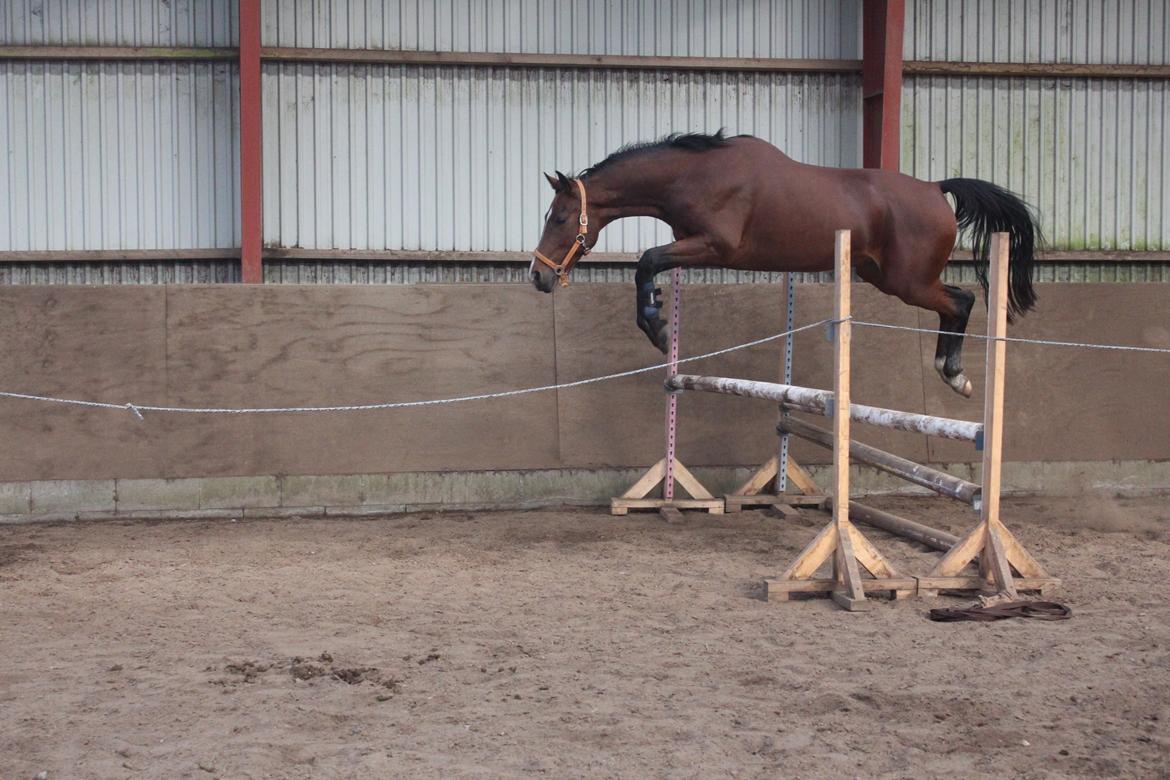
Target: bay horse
(739,202)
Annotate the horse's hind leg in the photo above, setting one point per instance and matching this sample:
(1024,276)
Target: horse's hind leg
(948,355)
(953,305)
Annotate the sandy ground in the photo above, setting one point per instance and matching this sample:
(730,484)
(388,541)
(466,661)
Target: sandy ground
(566,644)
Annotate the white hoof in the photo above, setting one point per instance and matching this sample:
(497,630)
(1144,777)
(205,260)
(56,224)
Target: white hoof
(961,385)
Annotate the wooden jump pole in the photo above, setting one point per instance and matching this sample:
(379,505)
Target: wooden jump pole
(925,476)
(812,401)
(841,539)
(998,548)
(923,534)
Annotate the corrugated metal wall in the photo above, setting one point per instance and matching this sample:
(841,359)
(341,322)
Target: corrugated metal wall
(449,158)
(118,155)
(815,29)
(1090,154)
(119,22)
(435,158)
(133,155)
(144,155)
(1081,31)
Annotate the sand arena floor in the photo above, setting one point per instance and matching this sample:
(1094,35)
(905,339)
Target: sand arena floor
(566,644)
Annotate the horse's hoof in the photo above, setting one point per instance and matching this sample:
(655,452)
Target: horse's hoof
(961,385)
(663,341)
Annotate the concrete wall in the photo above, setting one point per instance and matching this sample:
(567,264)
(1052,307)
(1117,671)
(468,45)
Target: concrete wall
(293,345)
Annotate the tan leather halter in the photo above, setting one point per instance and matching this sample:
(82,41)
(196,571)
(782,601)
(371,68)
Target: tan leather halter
(562,268)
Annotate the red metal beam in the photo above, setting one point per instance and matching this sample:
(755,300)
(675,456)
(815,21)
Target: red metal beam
(883,22)
(251,145)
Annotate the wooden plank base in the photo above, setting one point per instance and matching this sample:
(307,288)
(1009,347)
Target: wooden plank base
(784,511)
(635,497)
(904,587)
(928,587)
(621,506)
(737,503)
(848,603)
(780,589)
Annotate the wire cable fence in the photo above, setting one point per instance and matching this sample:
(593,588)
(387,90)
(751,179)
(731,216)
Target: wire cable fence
(138,409)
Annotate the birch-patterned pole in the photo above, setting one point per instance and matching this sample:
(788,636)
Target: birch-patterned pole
(813,401)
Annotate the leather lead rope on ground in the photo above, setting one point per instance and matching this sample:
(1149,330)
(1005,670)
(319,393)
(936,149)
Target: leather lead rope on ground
(1037,610)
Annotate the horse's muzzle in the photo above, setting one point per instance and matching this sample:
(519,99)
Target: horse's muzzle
(542,280)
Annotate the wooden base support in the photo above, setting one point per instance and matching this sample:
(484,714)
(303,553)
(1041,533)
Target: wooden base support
(930,586)
(736,503)
(1005,566)
(635,497)
(758,490)
(851,552)
(781,590)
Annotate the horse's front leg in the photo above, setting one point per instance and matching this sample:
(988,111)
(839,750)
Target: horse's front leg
(688,252)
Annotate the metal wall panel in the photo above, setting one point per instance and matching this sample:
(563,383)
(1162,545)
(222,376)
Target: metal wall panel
(695,28)
(449,158)
(1090,154)
(118,155)
(138,272)
(119,23)
(1075,31)
(335,272)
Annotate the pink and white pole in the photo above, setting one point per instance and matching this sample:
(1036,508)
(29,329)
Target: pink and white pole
(671,372)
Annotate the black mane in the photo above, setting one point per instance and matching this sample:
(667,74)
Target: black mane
(691,142)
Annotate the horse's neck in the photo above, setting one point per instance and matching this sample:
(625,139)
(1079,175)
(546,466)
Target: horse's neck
(624,191)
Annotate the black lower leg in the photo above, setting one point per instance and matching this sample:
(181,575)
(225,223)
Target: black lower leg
(964,301)
(690,251)
(649,302)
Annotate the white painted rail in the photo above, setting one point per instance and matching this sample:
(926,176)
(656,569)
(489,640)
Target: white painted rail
(807,399)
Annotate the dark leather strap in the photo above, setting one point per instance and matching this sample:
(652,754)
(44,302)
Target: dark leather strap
(1037,610)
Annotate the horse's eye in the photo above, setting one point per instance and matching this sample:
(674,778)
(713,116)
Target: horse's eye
(560,220)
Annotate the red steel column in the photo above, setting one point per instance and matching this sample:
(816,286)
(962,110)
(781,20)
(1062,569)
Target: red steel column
(251,144)
(881,82)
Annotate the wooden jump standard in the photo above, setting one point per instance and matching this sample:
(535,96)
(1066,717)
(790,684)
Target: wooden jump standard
(670,469)
(780,483)
(999,552)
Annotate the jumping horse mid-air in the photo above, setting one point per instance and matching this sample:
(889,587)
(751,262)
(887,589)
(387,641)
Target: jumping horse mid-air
(741,203)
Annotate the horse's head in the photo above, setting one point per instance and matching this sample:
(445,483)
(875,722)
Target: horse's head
(565,236)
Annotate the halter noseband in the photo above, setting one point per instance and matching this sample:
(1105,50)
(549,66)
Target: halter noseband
(562,268)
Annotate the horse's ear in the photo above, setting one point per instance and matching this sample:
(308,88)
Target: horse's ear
(552,182)
(565,184)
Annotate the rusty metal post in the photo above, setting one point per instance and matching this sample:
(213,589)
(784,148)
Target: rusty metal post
(883,23)
(251,145)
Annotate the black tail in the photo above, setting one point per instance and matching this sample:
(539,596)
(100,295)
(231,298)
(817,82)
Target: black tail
(986,208)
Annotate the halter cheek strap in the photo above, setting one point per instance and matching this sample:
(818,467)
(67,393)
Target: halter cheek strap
(562,268)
